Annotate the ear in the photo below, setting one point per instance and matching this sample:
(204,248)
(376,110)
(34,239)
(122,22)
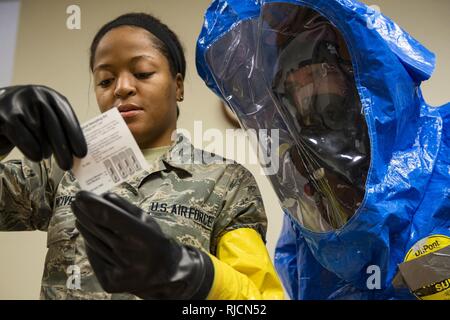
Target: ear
(179,82)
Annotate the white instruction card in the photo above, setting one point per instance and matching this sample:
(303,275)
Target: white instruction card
(113,155)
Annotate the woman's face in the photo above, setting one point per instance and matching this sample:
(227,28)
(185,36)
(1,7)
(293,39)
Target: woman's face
(131,74)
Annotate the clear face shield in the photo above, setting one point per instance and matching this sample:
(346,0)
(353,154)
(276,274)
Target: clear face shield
(292,72)
(314,90)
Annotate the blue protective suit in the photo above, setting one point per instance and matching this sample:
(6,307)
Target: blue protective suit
(407,192)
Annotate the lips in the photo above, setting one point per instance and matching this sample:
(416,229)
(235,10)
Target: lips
(129,110)
(128,107)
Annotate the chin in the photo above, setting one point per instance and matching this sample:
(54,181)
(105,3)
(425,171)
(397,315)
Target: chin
(135,130)
(141,134)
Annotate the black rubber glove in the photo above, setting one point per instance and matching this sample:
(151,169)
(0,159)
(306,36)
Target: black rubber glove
(40,122)
(129,253)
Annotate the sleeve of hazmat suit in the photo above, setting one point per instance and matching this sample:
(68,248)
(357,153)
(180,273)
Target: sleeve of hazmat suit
(243,269)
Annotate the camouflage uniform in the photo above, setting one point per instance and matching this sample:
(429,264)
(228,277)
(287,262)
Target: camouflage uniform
(193,202)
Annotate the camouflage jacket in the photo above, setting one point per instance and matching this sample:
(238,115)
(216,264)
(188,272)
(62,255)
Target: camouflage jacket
(193,201)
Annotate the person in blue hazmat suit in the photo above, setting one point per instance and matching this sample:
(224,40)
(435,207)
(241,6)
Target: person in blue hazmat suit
(364,166)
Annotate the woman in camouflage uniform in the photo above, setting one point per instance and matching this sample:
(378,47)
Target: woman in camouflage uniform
(184,229)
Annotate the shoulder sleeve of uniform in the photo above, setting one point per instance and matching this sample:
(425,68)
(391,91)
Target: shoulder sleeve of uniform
(26,194)
(242,206)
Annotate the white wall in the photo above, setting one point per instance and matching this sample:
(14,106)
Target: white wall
(9,14)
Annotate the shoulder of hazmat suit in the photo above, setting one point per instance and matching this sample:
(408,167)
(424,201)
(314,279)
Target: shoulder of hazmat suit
(214,207)
(364,169)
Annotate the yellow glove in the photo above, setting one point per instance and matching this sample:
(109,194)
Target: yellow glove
(243,269)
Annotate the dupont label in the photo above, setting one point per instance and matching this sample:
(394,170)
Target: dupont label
(438,290)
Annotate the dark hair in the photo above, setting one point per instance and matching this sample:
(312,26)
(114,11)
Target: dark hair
(166,40)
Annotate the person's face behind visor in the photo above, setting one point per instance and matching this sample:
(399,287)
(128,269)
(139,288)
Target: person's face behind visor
(315,90)
(318,93)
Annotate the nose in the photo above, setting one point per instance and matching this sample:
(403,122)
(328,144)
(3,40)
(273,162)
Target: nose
(125,86)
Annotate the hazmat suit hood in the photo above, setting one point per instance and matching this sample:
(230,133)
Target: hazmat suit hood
(403,186)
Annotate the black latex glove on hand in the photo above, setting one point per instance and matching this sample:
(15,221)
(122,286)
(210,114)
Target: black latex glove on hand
(40,122)
(129,253)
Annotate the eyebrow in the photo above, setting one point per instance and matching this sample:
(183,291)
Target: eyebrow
(133,60)
(147,57)
(102,66)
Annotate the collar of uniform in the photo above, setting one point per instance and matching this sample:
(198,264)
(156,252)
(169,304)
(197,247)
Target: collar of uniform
(179,156)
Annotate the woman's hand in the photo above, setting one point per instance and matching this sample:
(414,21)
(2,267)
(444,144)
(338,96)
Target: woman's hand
(129,252)
(40,122)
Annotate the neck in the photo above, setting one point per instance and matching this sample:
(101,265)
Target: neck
(161,140)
